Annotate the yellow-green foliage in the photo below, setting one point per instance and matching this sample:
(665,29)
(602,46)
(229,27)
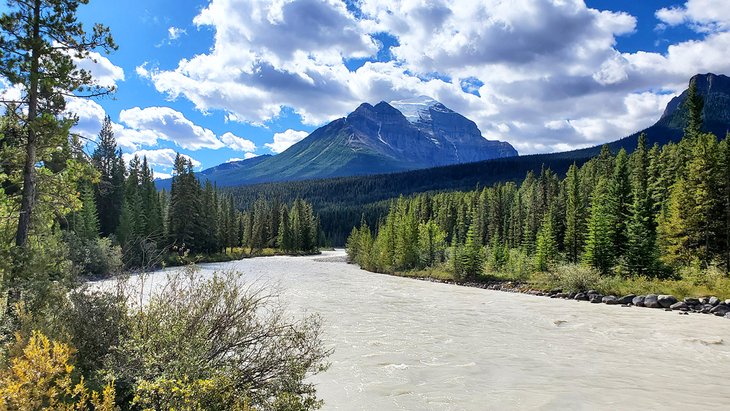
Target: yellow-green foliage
(693,282)
(41,377)
(187,395)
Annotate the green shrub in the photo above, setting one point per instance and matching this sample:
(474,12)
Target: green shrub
(576,278)
(95,257)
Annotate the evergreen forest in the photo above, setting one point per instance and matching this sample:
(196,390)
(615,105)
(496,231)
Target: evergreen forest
(650,214)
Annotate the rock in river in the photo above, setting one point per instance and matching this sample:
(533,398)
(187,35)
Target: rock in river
(595,298)
(679,306)
(627,299)
(638,301)
(610,300)
(652,301)
(720,309)
(666,301)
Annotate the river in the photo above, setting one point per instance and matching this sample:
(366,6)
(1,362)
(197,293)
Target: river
(402,344)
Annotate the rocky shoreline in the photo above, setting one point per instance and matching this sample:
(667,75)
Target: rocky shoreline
(703,305)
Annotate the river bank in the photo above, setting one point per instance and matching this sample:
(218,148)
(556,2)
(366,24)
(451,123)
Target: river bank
(710,305)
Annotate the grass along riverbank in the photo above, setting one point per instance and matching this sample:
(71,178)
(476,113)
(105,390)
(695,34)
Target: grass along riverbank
(690,282)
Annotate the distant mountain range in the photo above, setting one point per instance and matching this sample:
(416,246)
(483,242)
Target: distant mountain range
(385,138)
(422,133)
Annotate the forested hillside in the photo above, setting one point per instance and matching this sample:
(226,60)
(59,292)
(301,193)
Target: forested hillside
(341,202)
(649,213)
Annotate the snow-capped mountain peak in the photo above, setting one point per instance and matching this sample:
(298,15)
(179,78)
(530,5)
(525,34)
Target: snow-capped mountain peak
(416,109)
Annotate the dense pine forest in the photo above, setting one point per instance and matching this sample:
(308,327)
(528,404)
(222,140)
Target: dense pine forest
(653,213)
(124,219)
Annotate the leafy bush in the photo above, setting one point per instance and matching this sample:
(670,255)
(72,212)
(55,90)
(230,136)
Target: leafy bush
(576,278)
(41,377)
(191,329)
(96,257)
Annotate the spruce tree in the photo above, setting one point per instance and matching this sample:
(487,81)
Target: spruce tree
(619,202)
(600,250)
(575,215)
(546,247)
(693,105)
(640,230)
(86,221)
(109,191)
(284,242)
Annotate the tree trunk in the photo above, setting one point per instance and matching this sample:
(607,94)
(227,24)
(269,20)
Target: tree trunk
(27,201)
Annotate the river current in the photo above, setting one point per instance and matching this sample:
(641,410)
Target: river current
(402,344)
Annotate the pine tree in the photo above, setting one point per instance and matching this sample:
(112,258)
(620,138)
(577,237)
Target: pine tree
(694,104)
(640,230)
(86,221)
(546,246)
(431,244)
(619,202)
(723,203)
(284,241)
(702,197)
(575,215)
(674,238)
(109,191)
(42,42)
(469,258)
(600,250)
(152,230)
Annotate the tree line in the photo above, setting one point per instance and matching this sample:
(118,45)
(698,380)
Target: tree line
(644,214)
(123,204)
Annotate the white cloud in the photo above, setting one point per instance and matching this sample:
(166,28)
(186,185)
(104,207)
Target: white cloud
(284,140)
(238,143)
(104,72)
(533,64)
(704,16)
(133,139)
(234,159)
(250,155)
(174,33)
(164,157)
(170,125)
(90,114)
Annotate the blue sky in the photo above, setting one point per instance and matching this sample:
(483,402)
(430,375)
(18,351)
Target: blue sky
(224,79)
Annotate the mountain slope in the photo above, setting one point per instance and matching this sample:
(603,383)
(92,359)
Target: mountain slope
(372,140)
(715,92)
(342,201)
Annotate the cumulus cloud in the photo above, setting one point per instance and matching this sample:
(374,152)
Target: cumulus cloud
(284,140)
(234,159)
(543,75)
(250,155)
(163,157)
(238,143)
(704,16)
(90,115)
(104,72)
(171,125)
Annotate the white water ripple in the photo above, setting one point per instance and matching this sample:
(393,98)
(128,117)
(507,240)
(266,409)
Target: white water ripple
(402,344)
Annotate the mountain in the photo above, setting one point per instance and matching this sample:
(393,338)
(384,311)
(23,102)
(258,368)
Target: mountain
(715,92)
(342,201)
(385,138)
